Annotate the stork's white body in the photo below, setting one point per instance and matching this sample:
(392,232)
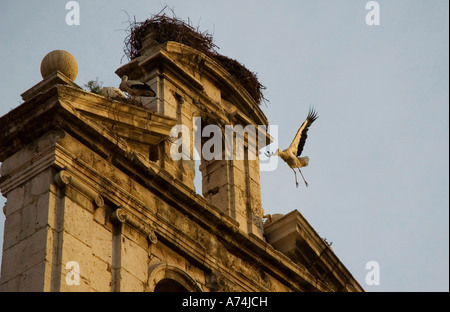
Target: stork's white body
(111,92)
(292,160)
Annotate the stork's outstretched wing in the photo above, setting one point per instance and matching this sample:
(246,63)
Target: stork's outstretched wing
(297,144)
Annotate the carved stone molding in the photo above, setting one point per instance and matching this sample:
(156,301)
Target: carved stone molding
(64,178)
(161,271)
(121,216)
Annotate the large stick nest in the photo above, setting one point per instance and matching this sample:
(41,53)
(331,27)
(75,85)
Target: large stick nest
(166,28)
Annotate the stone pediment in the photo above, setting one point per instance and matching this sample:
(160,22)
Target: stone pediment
(57,104)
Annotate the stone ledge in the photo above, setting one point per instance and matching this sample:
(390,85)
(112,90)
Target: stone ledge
(292,235)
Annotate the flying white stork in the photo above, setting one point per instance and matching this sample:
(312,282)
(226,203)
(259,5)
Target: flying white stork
(291,155)
(136,87)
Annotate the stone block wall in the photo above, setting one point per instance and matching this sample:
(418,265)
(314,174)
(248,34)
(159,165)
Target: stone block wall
(66,213)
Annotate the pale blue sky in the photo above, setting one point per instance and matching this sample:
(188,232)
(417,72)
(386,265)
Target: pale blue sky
(379,157)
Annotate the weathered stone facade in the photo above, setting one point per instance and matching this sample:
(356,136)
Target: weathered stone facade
(90,180)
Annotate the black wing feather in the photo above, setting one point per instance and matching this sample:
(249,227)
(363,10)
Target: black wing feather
(142,86)
(312,116)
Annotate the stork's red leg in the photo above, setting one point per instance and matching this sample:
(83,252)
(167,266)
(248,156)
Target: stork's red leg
(295,173)
(306,183)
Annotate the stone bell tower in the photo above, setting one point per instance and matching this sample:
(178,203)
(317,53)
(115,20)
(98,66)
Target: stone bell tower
(97,202)
(196,91)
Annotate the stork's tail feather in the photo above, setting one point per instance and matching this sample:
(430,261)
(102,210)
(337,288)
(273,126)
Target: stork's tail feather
(304,161)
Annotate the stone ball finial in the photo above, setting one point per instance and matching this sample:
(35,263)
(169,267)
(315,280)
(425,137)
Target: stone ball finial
(59,60)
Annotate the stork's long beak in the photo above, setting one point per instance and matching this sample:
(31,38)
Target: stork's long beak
(269,154)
